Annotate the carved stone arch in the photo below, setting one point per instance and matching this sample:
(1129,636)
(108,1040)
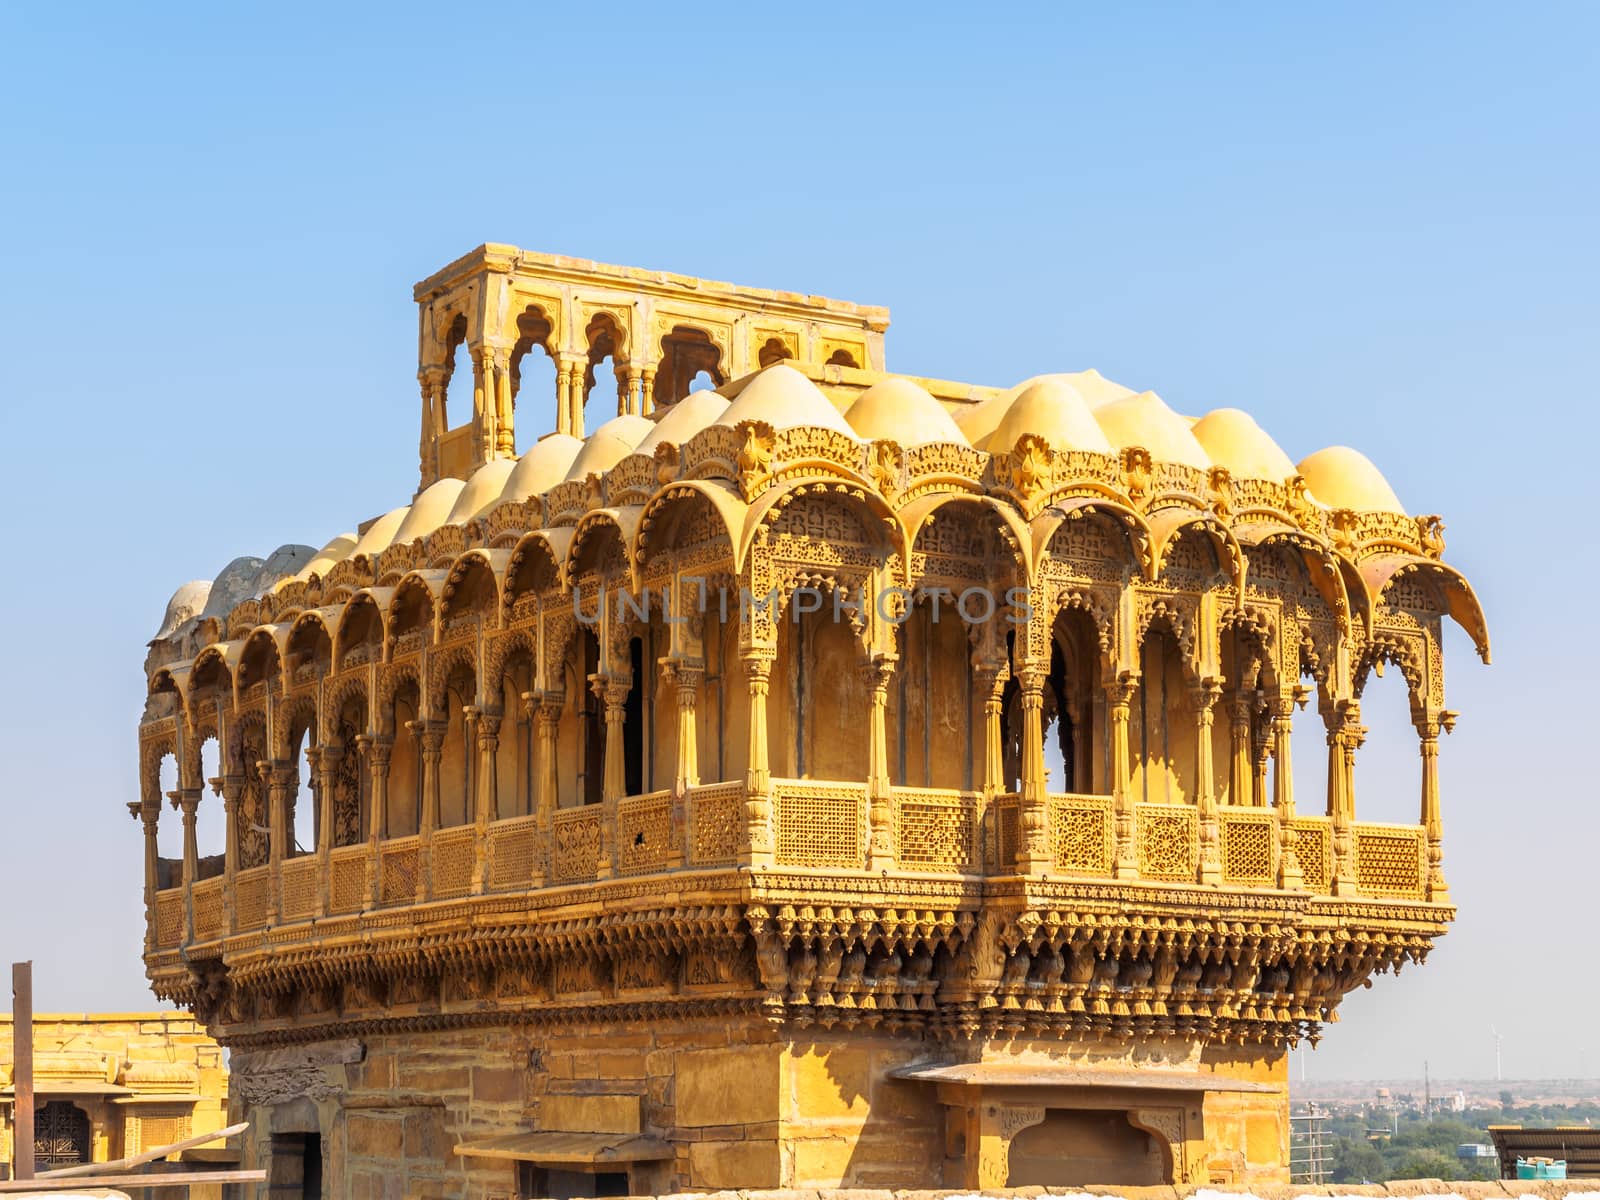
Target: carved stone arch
(151,751)
(310,638)
(1404,651)
(686,349)
(445,665)
(535,565)
(211,677)
(259,660)
(500,650)
(1087,534)
(411,607)
(696,517)
(1098,607)
(1190,542)
(338,695)
(471,585)
(1178,615)
(537,326)
(599,548)
(948,527)
(364,621)
(245,724)
(392,678)
(298,715)
(560,633)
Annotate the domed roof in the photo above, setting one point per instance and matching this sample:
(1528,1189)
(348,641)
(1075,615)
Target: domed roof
(1344,478)
(541,468)
(428,510)
(482,491)
(684,419)
(380,534)
(1053,409)
(336,551)
(981,420)
(609,445)
(1231,438)
(1145,420)
(784,398)
(901,411)
(187,603)
(235,582)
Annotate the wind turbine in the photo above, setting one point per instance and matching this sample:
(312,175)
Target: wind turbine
(1497,1040)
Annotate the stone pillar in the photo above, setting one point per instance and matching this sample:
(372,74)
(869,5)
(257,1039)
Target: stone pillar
(880,790)
(1241,789)
(329,756)
(1033,832)
(628,399)
(483,421)
(1345,735)
(378,750)
(187,801)
(688,675)
(431,735)
(758,775)
(647,390)
(281,779)
(148,812)
(1282,710)
(613,693)
(1119,703)
(990,682)
(505,431)
(486,803)
(548,727)
(564,395)
(232,792)
(1204,697)
(1432,824)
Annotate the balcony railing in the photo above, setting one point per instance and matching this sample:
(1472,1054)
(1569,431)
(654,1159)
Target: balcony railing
(816,824)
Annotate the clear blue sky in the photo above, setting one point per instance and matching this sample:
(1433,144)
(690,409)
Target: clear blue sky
(1372,225)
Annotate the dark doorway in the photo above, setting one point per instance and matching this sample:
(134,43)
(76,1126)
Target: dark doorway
(60,1136)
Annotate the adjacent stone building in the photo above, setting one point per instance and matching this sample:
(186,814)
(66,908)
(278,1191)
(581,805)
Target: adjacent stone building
(109,1085)
(819,777)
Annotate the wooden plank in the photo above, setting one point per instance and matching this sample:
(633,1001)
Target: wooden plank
(162,1179)
(22,1070)
(135,1160)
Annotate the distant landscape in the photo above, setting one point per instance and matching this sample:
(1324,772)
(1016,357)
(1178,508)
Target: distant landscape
(1378,1130)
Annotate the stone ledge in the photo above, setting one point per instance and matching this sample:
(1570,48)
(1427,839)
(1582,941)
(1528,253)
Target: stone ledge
(1410,1189)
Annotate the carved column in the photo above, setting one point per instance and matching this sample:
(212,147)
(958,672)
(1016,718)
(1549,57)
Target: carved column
(1204,697)
(1261,741)
(647,390)
(1432,823)
(1345,735)
(564,396)
(483,422)
(431,735)
(630,399)
(149,813)
(378,750)
(434,420)
(613,693)
(232,787)
(688,675)
(548,727)
(1241,788)
(880,791)
(1033,834)
(505,432)
(486,807)
(990,681)
(1282,709)
(758,775)
(187,801)
(282,778)
(329,757)
(1119,703)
